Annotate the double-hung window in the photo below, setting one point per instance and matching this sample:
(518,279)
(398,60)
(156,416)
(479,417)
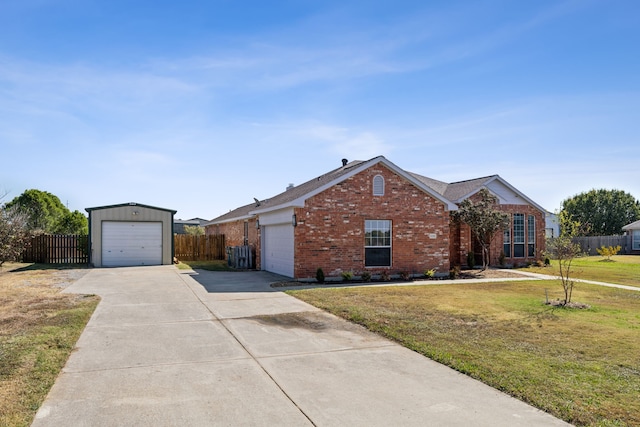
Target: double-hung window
(635,239)
(377,243)
(518,235)
(531,236)
(506,245)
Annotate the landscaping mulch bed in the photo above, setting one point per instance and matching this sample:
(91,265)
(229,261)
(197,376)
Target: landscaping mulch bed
(464,274)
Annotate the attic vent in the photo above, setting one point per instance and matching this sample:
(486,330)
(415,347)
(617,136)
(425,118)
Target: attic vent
(344,162)
(290,186)
(378,185)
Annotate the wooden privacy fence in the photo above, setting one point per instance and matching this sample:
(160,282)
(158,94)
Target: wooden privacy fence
(199,248)
(57,249)
(590,244)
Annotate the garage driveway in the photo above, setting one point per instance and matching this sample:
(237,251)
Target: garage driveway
(167,348)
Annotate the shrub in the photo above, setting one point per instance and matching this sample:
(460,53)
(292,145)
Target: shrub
(454,273)
(347,276)
(608,251)
(320,275)
(547,262)
(429,274)
(471,259)
(405,275)
(501,258)
(365,276)
(384,276)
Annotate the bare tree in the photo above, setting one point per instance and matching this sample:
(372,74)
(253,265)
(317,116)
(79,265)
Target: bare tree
(483,219)
(13,234)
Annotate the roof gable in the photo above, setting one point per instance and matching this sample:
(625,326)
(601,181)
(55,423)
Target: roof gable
(296,196)
(448,193)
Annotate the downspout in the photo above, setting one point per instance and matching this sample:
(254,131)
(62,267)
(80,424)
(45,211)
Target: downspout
(173,240)
(89,242)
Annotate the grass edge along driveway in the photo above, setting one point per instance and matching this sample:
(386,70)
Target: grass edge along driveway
(582,366)
(39,327)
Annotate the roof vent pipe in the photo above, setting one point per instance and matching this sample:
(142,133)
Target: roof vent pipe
(290,186)
(344,162)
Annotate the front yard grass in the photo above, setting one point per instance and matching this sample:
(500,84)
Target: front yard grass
(622,269)
(39,328)
(582,366)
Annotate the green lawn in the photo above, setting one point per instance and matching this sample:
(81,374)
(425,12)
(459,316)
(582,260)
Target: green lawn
(581,365)
(622,269)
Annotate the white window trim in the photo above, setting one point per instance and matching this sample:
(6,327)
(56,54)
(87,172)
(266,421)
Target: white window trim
(519,239)
(389,246)
(635,240)
(531,233)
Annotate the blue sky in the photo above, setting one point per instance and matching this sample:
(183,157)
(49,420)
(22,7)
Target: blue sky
(200,106)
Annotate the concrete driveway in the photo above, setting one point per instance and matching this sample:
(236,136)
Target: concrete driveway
(173,348)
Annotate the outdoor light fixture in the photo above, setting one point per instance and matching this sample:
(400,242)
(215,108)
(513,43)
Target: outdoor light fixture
(257,223)
(135,213)
(294,220)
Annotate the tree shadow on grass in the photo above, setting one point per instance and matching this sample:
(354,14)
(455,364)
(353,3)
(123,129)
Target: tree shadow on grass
(37,266)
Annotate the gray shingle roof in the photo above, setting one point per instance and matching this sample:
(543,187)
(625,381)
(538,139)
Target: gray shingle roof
(309,186)
(450,193)
(456,190)
(289,195)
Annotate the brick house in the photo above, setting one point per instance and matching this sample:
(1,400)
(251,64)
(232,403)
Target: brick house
(374,216)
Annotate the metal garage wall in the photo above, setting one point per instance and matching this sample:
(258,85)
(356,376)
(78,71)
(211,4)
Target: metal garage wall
(129,212)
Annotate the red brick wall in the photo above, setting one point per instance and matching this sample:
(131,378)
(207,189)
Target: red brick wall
(234,233)
(330,231)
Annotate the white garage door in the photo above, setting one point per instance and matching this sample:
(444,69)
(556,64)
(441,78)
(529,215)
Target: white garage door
(278,249)
(131,243)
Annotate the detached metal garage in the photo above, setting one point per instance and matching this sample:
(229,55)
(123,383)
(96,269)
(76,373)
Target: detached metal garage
(130,234)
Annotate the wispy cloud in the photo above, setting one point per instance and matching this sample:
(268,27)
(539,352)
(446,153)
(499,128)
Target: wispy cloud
(350,143)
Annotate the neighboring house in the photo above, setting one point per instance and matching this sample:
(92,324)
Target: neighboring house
(372,215)
(178,224)
(552,225)
(633,230)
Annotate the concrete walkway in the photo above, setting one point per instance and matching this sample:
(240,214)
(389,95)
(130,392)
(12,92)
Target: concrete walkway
(593,282)
(171,348)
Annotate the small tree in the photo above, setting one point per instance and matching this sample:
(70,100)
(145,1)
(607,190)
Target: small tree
(564,250)
(609,251)
(483,219)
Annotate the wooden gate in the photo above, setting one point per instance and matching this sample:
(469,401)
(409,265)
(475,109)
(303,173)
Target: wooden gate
(57,249)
